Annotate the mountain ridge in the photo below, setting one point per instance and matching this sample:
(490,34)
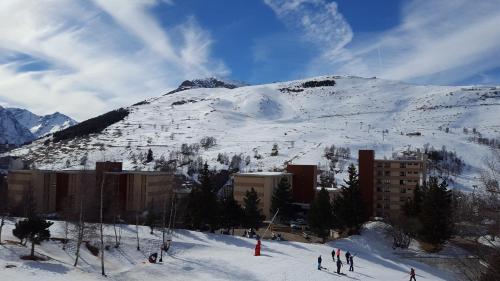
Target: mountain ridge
(302,117)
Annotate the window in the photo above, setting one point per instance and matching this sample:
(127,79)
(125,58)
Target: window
(387,173)
(402,182)
(379,164)
(403,190)
(379,181)
(402,165)
(379,173)
(387,181)
(387,165)
(379,189)
(402,174)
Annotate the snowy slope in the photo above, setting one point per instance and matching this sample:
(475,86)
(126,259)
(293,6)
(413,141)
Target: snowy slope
(41,125)
(11,131)
(210,257)
(302,117)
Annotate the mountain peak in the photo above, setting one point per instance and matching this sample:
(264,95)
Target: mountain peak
(210,82)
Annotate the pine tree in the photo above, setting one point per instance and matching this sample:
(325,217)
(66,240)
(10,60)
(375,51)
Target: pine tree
(33,229)
(282,199)
(348,208)
(203,205)
(320,214)
(436,212)
(149,157)
(253,217)
(231,213)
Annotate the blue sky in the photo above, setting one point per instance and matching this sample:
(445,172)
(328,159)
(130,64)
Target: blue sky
(59,55)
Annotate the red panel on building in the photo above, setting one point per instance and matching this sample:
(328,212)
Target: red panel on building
(366,162)
(304,182)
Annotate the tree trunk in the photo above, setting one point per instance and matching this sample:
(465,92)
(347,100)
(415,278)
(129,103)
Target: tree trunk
(32,249)
(137,231)
(101,229)
(66,231)
(116,234)
(81,228)
(1,228)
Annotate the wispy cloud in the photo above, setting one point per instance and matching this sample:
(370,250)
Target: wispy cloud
(83,58)
(318,21)
(439,41)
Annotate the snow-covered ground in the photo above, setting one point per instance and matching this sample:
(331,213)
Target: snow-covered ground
(202,256)
(248,120)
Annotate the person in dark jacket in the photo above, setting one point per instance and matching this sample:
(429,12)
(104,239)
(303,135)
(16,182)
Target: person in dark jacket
(319,262)
(347,255)
(351,263)
(412,274)
(339,265)
(333,255)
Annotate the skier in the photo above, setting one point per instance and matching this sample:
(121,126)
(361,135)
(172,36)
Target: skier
(319,262)
(338,253)
(347,255)
(333,254)
(412,274)
(351,263)
(339,265)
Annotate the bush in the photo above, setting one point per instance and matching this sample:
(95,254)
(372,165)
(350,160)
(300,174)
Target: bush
(208,142)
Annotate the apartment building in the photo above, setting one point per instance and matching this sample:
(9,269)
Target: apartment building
(138,191)
(40,185)
(263,183)
(62,192)
(304,182)
(387,184)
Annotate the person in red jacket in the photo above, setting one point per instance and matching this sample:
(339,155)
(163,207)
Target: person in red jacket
(412,274)
(257,249)
(338,253)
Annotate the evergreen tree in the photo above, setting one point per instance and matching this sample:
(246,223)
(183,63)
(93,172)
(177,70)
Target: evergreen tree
(203,205)
(253,217)
(320,214)
(149,157)
(282,200)
(33,229)
(436,212)
(231,213)
(348,208)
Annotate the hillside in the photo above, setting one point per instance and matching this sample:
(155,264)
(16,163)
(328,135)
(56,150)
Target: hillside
(201,256)
(302,117)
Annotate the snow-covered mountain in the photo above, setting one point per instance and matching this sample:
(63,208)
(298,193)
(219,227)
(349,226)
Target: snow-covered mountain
(302,117)
(41,125)
(11,131)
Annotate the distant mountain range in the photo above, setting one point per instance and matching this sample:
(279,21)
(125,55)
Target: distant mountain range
(18,126)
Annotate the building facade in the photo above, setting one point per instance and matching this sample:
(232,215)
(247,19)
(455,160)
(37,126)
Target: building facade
(386,185)
(36,186)
(263,183)
(304,182)
(65,192)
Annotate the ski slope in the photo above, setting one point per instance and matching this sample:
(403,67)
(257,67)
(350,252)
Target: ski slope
(248,120)
(210,257)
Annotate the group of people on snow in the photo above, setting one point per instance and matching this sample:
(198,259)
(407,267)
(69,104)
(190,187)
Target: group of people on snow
(350,261)
(348,256)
